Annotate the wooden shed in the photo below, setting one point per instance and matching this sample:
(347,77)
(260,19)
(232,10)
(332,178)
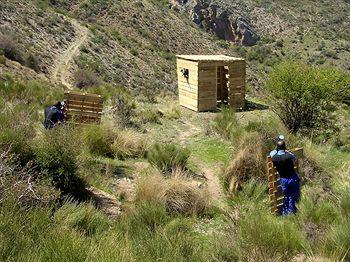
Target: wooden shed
(207,80)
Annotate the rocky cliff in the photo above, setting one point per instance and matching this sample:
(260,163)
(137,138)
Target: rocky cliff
(218,21)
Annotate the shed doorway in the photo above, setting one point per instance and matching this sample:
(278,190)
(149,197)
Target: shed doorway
(222,85)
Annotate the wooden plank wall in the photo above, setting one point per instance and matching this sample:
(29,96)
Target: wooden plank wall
(83,107)
(237,75)
(188,88)
(207,87)
(276,196)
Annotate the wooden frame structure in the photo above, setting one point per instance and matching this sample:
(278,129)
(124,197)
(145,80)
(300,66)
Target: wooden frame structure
(83,107)
(276,195)
(206,80)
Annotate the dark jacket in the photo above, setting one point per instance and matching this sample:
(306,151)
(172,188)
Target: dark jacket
(53,115)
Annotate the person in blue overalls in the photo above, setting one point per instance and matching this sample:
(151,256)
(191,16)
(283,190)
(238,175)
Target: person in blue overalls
(54,115)
(283,161)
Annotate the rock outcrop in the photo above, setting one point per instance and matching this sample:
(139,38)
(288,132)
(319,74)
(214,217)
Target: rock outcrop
(205,14)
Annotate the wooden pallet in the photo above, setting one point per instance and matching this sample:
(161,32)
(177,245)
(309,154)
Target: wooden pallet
(276,195)
(83,107)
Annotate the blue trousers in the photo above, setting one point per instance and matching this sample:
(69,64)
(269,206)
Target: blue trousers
(291,190)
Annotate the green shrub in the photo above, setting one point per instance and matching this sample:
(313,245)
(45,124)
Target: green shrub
(124,108)
(98,139)
(32,62)
(226,124)
(33,93)
(302,95)
(149,115)
(56,154)
(16,132)
(168,157)
(83,217)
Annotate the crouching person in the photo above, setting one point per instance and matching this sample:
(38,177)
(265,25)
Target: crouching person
(284,161)
(54,115)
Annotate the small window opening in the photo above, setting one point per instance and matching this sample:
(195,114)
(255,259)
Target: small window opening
(185,73)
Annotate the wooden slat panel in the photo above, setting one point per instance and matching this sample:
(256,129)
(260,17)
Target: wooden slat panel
(186,64)
(85,108)
(83,97)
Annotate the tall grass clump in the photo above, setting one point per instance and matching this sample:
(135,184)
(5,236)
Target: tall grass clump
(98,139)
(82,217)
(56,154)
(129,144)
(303,96)
(269,236)
(248,162)
(336,243)
(225,124)
(176,194)
(168,157)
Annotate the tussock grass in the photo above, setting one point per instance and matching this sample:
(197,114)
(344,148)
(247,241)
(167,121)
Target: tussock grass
(248,162)
(82,217)
(168,157)
(129,144)
(176,194)
(98,139)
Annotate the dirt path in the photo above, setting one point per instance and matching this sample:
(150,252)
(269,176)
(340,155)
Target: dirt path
(209,172)
(61,70)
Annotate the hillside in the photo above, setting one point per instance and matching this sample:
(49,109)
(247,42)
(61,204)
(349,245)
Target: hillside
(134,44)
(154,181)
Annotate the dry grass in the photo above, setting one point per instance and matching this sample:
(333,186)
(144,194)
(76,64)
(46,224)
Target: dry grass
(129,144)
(248,162)
(178,194)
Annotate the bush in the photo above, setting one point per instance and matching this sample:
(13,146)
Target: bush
(32,62)
(302,95)
(124,108)
(129,144)
(23,184)
(57,154)
(98,139)
(16,132)
(10,49)
(168,157)
(86,79)
(226,124)
(149,115)
(83,217)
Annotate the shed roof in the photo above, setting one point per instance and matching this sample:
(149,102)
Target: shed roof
(209,58)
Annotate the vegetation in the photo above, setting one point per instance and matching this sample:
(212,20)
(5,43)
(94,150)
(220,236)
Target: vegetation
(303,97)
(168,157)
(158,165)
